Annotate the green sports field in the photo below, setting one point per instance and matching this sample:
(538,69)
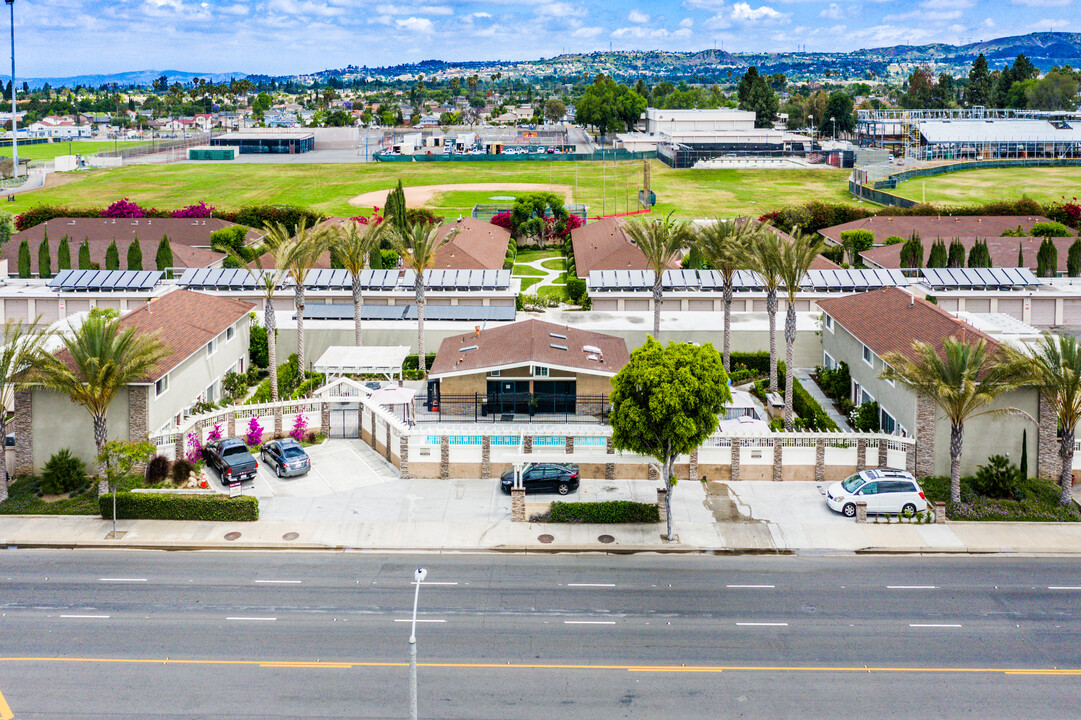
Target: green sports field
(978,186)
(47,151)
(327,188)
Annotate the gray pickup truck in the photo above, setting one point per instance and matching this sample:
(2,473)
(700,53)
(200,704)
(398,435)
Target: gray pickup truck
(232,460)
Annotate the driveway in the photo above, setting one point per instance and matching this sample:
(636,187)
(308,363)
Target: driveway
(779,502)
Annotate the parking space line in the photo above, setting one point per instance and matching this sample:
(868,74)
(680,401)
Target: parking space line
(762,624)
(1064,587)
(420,620)
(750,587)
(5,709)
(589,622)
(91,617)
(591,584)
(934,625)
(122,580)
(278,582)
(253,619)
(912,587)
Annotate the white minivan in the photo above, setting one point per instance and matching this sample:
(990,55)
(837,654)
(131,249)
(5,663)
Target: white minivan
(884,490)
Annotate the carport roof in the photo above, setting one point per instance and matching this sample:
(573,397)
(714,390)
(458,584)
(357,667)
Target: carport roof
(368,360)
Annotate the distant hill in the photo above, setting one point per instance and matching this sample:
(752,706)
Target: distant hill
(127,79)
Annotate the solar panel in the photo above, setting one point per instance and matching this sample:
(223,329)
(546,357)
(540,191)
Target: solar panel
(406,281)
(106,280)
(502,279)
(465,313)
(710,279)
(60,279)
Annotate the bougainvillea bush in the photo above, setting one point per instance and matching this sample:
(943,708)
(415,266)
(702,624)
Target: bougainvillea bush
(202,210)
(254,436)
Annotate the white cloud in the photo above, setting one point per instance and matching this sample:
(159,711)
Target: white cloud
(638,17)
(238,10)
(988,23)
(833,12)
(686,23)
(1042,3)
(587,32)
(561,9)
(479,15)
(704,4)
(640,33)
(718,22)
(744,11)
(415,24)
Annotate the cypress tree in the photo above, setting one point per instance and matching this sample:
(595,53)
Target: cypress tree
(980,255)
(45,260)
(1073,259)
(24,259)
(937,258)
(1047,259)
(164,258)
(912,252)
(395,208)
(135,255)
(1023,467)
(112,257)
(956,257)
(63,255)
(375,259)
(1020,255)
(84,254)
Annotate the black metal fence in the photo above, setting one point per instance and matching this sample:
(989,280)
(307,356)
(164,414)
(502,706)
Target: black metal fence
(515,407)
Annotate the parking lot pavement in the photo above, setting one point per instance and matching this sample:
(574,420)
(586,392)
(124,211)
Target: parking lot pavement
(784,502)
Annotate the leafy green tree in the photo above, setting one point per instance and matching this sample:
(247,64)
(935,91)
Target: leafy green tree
(979,82)
(63,254)
(99,359)
(45,259)
(118,459)
(84,255)
(980,255)
(912,252)
(7,224)
(1054,91)
(1073,259)
(554,110)
(164,257)
(961,380)
(724,244)
(607,105)
(956,258)
(20,346)
(528,216)
(112,257)
(756,94)
(24,259)
(1050,230)
(841,108)
(665,403)
(395,210)
(135,255)
(417,247)
(855,242)
(352,244)
(1021,256)
(661,241)
(1047,259)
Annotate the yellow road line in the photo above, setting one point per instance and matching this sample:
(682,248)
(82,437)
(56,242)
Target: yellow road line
(5,709)
(346,665)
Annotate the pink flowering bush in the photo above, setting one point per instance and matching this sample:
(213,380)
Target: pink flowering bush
(202,210)
(502,219)
(300,428)
(195,449)
(374,219)
(124,209)
(215,433)
(254,436)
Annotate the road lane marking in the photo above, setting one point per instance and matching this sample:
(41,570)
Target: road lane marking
(122,580)
(542,666)
(750,587)
(591,584)
(589,622)
(426,583)
(252,619)
(762,624)
(5,709)
(934,625)
(1064,587)
(420,620)
(911,587)
(94,617)
(278,582)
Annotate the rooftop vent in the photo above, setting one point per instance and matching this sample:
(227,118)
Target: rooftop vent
(557,335)
(591,349)
(468,348)
(557,347)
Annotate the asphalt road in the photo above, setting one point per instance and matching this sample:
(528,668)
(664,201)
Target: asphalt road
(252,635)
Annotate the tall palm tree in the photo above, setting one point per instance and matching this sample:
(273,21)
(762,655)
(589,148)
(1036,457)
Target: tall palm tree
(961,380)
(661,241)
(21,345)
(96,362)
(724,246)
(1056,369)
(763,257)
(793,261)
(352,245)
(297,253)
(417,245)
(268,280)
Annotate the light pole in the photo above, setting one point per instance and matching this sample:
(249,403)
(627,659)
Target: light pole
(418,576)
(811,119)
(834,121)
(14,139)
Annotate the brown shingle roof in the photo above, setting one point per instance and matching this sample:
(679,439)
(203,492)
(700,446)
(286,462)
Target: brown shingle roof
(890,320)
(1003,251)
(478,245)
(603,245)
(185,321)
(530,341)
(181,231)
(930,227)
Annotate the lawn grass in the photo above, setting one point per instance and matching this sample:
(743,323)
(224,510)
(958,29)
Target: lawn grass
(23,499)
(969,187)
(527,271)
(556,292)
(554,264)
(48,151)
(327,188)
(1040,503)
(530,282)
(528,256)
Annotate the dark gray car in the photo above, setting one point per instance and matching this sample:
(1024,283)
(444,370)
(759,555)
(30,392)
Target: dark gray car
(544,478)
(287,457)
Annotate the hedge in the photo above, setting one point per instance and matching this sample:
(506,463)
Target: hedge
(172,506)
(607,512)
(812,414)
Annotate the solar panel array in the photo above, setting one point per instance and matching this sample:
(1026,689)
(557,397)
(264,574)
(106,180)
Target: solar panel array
(465,279)
(105,280)
(743,280)
(337,279)
(339,311)
(843,280)
(979,278)
(602,280)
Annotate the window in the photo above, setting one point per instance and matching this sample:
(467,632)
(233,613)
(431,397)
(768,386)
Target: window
(211,347)
(230,332)
(889,425)
(866,396)
(539,371)
(828,321)
(212,392)
(161,386)
(889,381)
(495,373)
(828,362)
(868,356)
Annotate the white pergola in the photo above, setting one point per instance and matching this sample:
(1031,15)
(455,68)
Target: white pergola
(367,360)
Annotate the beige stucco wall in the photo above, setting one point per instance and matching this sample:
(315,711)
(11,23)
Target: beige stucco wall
(988,435)
(59,424)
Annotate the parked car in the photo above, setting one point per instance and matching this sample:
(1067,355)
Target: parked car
(884,491)
(287,457)
(232,460)
(543,478)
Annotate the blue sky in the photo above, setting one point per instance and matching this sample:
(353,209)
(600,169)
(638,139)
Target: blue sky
(69,37)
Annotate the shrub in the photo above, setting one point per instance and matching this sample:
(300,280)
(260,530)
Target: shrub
(313,382)
(259,216)
(24,259)
(576,288)
(181,471)
(607,512)
(258,351)
(419,215)
(938,257)
(164,256)
(502,219)
(865,417)
(45,259)
(195,448)
(998,479)
(124,209)
(956,256)
(235,385)
(254,436)
(1050,230)
(202,210)
(135,255)
(1047,259)
(837,382)
(1073,259)
(62,473)
(389,259)
(232,238)
(63,254)
(84,255)
(112,257)
(172,506)
(215,433)
(157,470)
(856,241)
(300,428)
(894,240)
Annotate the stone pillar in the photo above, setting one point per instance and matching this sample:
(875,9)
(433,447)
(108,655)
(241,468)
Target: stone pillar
(485,457)
(138,418)
(403,453)
(1048,462)
(527,445)
(230,426)
(277,422)
(609,468)
(925,436)
(23,427)
(692,467)
(662,507)
(324,418)
(778,459)
(910,458)
(883,450)
(861,454)
(861,511)
(517,504)
(444,457)
(386,445)
(178,446)
(735,459)
(820,461)
(652,473)
(940,513)
(569,445)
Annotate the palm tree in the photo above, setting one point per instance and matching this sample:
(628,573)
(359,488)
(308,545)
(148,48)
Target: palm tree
(268,280)
(1056,369)
(97,361)
(21,345)
(297,253)
(793,261)
(417,245)
(661,241)
(352,245)
(763,257)
(960,381)
(724,246)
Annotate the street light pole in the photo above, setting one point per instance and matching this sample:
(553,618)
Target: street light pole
(14,139)
(418,576)
(834,121)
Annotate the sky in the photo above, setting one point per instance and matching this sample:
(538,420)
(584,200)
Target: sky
(57,38)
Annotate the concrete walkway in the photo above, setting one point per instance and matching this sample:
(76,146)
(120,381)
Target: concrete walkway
(550,275)
(804,376)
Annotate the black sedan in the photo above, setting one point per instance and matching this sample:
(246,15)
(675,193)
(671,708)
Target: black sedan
(287,457)
(544,478)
